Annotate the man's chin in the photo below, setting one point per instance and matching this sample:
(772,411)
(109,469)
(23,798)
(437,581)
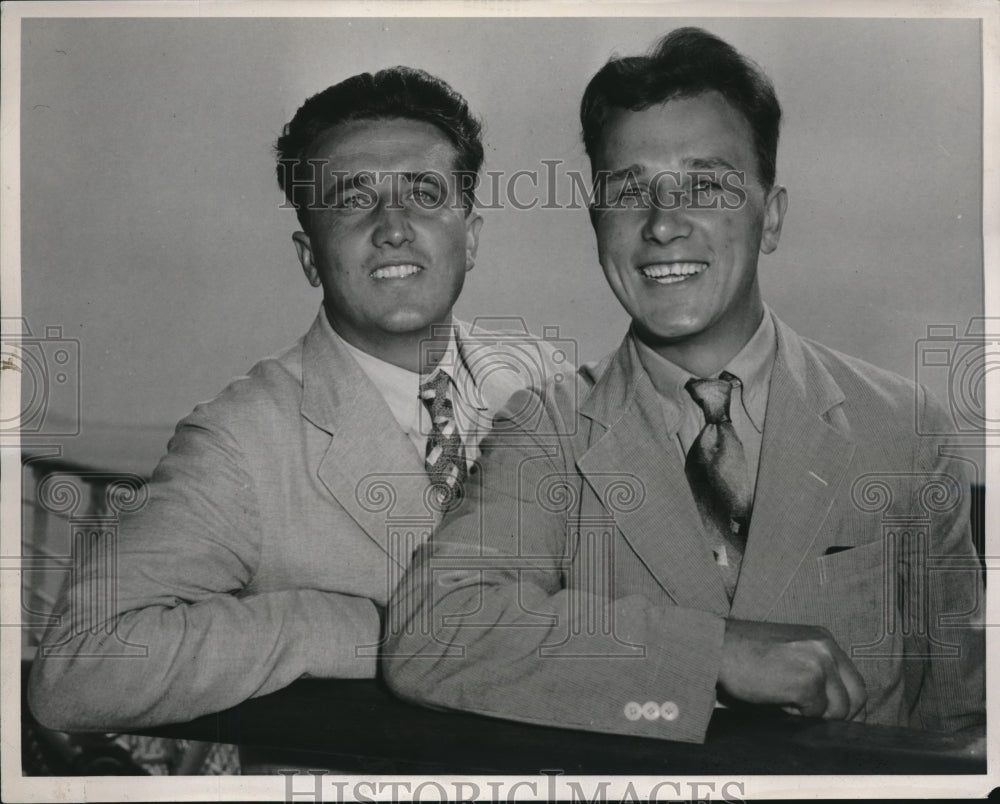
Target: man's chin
(667,333)
(417,324)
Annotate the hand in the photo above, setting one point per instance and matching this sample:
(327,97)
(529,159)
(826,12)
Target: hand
(798,667)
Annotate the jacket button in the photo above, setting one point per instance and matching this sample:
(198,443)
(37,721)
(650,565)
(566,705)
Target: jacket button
(651,710)
(669,710)
(633,711)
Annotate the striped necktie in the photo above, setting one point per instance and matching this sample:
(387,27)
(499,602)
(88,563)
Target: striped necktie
(445,457)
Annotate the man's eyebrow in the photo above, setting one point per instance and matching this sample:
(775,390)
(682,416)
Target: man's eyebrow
(338,181)
(708,163)
(635,170)
(632,170)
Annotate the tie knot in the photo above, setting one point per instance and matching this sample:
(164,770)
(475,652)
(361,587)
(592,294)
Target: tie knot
(713,396)
(435,387)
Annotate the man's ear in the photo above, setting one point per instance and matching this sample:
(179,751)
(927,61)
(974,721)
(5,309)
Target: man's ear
(599,195)
(774,215)
(303,247)
(473,223)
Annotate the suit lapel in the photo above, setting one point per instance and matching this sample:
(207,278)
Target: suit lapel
(803,462)
(665,530)
(369,464)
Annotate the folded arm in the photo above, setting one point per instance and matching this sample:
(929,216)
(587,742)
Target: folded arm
(501,614)
(169,628)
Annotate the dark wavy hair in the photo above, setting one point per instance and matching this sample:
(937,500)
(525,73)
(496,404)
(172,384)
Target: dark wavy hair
(396,92)
(686,62)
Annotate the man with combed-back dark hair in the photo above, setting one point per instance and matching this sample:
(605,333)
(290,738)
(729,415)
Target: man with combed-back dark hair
(687,62)
(393,93)
(264,554)
(706,526)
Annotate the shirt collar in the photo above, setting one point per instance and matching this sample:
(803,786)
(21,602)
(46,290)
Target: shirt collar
(454,364)
(450,364)
(752,365)
(400,387)
(397,386)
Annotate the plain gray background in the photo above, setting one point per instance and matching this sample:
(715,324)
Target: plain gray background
(153,229)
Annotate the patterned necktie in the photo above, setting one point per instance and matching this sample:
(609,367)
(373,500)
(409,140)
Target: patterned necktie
(445,458)
(716,468)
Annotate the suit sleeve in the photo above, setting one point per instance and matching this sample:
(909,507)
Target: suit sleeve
(498,615)
(162,628)
(952,694)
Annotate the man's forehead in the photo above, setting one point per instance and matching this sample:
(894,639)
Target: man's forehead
(397,144)
(698,131)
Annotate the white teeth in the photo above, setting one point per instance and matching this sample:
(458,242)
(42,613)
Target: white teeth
(395,271)
(667,273)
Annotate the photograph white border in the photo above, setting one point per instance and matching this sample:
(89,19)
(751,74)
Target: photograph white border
(15,787)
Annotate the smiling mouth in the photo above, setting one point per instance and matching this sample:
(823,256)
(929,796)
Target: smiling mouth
(400,271)
(668,273)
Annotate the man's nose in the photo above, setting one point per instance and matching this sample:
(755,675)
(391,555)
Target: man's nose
(392,227)
(665,222)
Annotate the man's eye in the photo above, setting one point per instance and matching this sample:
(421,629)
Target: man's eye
(351,201)
(426,195)
(705,185)
(631,194)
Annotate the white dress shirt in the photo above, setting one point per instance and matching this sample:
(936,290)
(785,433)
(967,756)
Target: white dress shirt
(400,388)
(684,417)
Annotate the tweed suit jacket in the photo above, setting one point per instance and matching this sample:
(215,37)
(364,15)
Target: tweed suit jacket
(267,550)
(576,587)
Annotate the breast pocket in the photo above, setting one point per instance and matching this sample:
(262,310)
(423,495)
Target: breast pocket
(854,597)
(863,561)
(858,594)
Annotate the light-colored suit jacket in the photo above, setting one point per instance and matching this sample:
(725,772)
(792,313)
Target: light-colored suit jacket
(276,527)
(577,589)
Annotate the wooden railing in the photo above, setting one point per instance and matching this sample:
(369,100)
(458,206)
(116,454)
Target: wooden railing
(357,725)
